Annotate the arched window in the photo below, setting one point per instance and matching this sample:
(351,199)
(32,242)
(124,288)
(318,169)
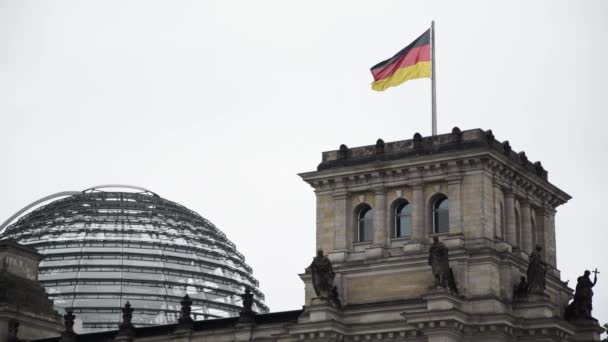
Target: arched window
(403,220)
(365,223)
(441,216)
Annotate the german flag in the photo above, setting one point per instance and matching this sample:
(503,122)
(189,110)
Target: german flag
(414,61)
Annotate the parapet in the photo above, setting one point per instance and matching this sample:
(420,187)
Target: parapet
(420,146)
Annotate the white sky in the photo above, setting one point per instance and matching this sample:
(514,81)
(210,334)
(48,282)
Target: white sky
(218,104)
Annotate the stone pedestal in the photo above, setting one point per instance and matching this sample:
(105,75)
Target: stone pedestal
(444,330)
(587,330)
(439,298)
(321,309)
(534,306)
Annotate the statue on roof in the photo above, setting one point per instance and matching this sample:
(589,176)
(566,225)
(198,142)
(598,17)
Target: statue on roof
(581,306)
(322,275)
(536,273)
(438,259)
(247,298)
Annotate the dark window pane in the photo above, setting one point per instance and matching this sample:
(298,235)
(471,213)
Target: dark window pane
(368,214)
(366,230)
(441,216)
(404,208)
(404,226)
(441,204)
(365,224)
(442,222)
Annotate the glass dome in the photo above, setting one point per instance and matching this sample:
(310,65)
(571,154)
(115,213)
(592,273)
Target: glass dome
(102,248)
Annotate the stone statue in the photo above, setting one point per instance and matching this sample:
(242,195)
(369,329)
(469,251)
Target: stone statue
(438,259)
(247,300)
(247,315)
(521,290)
(322,275)
(581,306)
(127,314)
(537,270)
(68,335)
(68,320)
(126,328)
(185,321)
(13,329)
(334,297)
(323,279)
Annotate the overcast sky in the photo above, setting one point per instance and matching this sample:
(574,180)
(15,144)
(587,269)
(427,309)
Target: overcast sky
(217,105)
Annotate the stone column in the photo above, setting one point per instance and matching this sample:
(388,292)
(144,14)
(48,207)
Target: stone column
(550,249)
(379,217)
(511,237)
(319,244)
(341,234)
(545,235)
(418,231)
(526,226)
(454,184)
(498,228)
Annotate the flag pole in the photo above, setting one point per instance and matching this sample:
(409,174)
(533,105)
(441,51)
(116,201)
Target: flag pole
(433,80)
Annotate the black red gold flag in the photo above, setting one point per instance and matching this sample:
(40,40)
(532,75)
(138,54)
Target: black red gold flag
(414,61)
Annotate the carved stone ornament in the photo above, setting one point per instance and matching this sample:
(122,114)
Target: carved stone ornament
(126,328)
(489,136)
(185,321)
(247,300)
(417,141)
(380,146)
(521,290)
(456,135)
(440,266)
(68,334)
(343,152)
(13,329)
(523,158)
(506,148)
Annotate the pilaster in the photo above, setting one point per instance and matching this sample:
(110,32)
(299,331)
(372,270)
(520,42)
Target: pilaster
(545,234)
(511,237)
(498,228)
(380,217)
(454,196)
(418,231)
(526,226)
(341,209)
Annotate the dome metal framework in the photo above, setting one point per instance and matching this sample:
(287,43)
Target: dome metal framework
(102,248)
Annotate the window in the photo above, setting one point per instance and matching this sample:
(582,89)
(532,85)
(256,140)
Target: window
(403,220)
(365,223)
(441,221)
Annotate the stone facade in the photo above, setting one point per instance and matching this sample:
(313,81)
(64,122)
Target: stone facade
(24,306)
(500,206)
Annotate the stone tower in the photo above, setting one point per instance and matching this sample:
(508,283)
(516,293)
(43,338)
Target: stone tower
(25,310)
(378,209)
